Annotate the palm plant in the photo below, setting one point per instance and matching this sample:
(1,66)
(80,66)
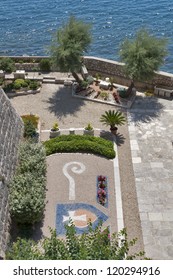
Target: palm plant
(113,118)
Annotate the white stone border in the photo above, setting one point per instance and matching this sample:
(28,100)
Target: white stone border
(118,197)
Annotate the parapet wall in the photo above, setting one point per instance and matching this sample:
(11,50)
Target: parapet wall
(103,66)
(11,130)
(115,69)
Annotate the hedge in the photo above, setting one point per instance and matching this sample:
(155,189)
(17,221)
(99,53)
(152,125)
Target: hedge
(80,143)
(27,189)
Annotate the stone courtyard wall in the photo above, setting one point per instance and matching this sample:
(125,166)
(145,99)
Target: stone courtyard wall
(11,130)
(115,69)
(103,66)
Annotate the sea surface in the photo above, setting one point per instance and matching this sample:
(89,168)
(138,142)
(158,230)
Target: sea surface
(28,26)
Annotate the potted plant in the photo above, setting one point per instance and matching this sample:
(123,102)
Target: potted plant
(97,77)
(88,130)
(54,132)
(113,118)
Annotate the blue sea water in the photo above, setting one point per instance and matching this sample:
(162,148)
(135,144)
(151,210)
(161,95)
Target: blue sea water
(27,27)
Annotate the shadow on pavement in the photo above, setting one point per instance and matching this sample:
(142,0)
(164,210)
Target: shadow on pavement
(62,103)
(120,139)
(146,109)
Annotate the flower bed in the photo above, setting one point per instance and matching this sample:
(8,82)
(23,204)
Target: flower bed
(102,190)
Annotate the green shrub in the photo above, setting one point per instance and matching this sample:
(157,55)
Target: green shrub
(29,129)
(45,65)
(33,118)
(20,83)
(80,143)
(33,85)
(7,64)
(27,189)
(27,198)
(84,84)
(1,81)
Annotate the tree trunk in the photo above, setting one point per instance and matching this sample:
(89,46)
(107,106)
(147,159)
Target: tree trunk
(129,90)
(75,75)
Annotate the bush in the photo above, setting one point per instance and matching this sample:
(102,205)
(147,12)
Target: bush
(1,81)
(80,143)
(95,244)
(20,83)
(7,64)
(33,118)
(33,85)
(29,129)
(45,65)
(27,189)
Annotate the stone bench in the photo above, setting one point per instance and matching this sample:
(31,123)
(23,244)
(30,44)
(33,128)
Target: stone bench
(163,92)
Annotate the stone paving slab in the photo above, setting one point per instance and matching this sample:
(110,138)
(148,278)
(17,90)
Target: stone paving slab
(151,129)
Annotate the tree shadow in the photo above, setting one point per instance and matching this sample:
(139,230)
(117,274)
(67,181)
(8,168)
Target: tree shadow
(62,103)
(106,135)
(146,109)
(120,139)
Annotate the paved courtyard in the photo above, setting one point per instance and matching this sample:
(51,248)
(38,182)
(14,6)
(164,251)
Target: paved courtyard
(145,164)
(71,192)
(151,138)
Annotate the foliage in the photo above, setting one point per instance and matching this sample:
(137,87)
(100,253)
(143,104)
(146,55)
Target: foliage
(143,55)
(89,127)
(1,81)
(45,65)
(93,245)
(90,80)
(29,129)
(84,84)
(20,83)
(27,189)
(80,143)
(33,85)
(72,40)
(112,118)
(104,94)
(7,64)
(33,118)
(55,127)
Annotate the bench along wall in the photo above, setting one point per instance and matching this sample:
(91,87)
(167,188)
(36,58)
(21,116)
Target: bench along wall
(11,130)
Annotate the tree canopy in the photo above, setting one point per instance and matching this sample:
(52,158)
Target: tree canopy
(93,245)
(71,41)
(143,55)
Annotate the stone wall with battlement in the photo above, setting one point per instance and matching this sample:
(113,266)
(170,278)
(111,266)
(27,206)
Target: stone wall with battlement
(11,130)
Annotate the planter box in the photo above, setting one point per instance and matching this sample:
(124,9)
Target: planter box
(88,132)
(54,134)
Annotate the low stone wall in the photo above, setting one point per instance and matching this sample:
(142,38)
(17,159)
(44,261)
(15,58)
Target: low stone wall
(11,130)
(105,67)
(115,69)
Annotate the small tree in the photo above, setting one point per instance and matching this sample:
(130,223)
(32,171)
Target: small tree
(72,40)
(112,118)
(142,56)
(93,245)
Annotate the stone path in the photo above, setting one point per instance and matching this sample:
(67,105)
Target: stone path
(151,138)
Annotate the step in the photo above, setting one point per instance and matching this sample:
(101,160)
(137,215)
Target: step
(48,77)
(49,81)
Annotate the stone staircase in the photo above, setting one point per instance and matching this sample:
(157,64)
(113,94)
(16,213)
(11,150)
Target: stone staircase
(49,80)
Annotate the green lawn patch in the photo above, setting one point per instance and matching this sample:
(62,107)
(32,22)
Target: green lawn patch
(81,144)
